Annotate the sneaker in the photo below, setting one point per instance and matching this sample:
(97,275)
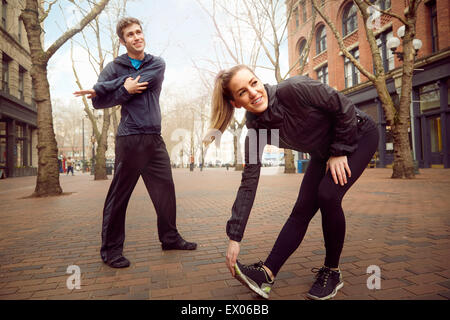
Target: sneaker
(327,283)
(254,277)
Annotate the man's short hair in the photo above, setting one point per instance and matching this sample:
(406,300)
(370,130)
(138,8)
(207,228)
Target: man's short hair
(125,22)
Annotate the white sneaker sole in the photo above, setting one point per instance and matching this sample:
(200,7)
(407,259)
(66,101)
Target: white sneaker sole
(249,283)
(331,295)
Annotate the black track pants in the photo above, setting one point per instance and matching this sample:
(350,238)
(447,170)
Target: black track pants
(138,155)
(318,191)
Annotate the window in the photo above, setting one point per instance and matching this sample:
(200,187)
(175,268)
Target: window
(351,73)
(21,82)
(429,97)
(387,57)
(321,39)
(297,22)
(382,4)
(4,13)
(349,19)
(322,74)
(435,134)
(304,16)
(3,147)
(301,51)
(5,73)
(20,31)
(434,26)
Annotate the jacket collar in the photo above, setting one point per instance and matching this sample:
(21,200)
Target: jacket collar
(124,59)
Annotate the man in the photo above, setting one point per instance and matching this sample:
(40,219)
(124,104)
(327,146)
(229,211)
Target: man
(140,149)
(69,165)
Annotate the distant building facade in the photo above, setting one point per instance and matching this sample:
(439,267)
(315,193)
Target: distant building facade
(18,113)
(430,112)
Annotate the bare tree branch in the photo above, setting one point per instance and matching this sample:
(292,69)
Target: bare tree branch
(70,33)
(45,13)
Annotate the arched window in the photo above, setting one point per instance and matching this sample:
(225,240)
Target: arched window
(349,19)
(382,4)
(321,39)
(301,50)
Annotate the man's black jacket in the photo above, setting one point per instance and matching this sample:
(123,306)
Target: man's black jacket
(140,113)
(303,115)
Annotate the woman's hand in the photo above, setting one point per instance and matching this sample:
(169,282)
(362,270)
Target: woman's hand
(232,254)
(90,92)
(338,167)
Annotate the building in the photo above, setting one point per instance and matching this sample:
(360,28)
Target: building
(430,112)
(18,113)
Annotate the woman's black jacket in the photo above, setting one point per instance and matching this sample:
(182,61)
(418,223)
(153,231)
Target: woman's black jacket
(303,115)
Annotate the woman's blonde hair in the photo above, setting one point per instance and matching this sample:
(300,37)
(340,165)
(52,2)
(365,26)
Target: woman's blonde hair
(221,109)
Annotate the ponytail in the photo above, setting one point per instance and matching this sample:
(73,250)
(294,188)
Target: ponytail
(222,111)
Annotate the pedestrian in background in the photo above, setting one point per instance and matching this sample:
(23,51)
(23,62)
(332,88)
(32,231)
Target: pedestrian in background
(307,116)
(69,165)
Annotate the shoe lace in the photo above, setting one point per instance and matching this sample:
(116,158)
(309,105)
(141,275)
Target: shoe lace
(322,275)
(256,266)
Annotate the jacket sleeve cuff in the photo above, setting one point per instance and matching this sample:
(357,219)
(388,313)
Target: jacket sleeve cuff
(237,239)
(124,92)
(338,150)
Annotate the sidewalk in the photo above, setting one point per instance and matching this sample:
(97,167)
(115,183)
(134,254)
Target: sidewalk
(401,226)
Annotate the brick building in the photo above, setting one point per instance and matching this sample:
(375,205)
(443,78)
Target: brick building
(18,113)
(430,112)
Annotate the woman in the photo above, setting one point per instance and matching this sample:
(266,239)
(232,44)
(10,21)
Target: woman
(307,116)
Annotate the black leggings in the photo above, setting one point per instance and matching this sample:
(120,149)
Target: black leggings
(318,191)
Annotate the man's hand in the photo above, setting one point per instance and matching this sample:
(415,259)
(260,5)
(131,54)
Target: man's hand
(232,254)
(134,86)
(90,92)
(338,166)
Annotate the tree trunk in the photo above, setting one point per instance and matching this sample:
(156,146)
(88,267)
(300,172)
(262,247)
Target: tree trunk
(403,162)
(100,162)
(237,155)
(47,183)
(289,166)
(100,159)
(102,147)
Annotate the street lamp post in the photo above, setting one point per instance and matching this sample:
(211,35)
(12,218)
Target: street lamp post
(93,152)
(84,156)
(394,42)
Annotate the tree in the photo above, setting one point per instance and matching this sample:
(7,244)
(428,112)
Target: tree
(115,12)
(33,16)
(397,116)
(231,38)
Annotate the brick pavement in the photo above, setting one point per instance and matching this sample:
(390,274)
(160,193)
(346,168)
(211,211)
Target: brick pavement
(401,226)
